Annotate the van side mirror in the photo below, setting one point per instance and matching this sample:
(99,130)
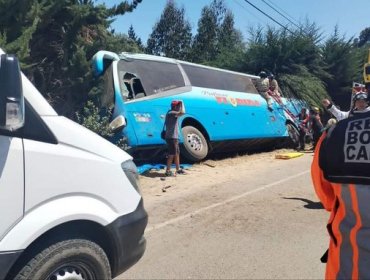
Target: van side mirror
(11,93)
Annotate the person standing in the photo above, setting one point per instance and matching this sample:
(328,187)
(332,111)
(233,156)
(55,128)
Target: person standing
(172,137)
(341,179)
(360,105)
(263,88)
(303,118)
(315,125)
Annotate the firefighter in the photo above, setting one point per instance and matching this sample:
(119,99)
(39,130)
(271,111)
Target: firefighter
(341,178)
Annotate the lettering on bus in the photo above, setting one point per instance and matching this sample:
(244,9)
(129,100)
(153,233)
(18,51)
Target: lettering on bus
(142,117)
(356,148)
(226,99)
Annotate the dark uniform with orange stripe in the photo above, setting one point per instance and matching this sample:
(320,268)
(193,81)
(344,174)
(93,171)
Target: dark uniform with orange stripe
(341,177)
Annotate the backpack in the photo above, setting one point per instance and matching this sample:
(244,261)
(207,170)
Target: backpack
(344,154)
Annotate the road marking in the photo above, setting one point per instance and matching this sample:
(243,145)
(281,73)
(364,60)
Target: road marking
(234,198)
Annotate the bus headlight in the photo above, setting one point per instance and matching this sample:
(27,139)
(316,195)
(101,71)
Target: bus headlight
(132,174)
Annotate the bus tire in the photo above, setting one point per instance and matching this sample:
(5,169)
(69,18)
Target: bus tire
(293,135)
(195,147)
(68,259)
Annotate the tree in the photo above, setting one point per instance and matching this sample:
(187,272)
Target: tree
(55,41)
(217,42)
(343,65)
(132,35)
(230,45)
(364,37)
(171,35)
(204,48)
(294,58)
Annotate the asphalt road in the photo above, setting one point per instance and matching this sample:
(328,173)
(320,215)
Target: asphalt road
(264,223)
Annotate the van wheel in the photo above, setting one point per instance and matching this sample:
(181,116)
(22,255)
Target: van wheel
(195,146)
(293,135)
(70,259)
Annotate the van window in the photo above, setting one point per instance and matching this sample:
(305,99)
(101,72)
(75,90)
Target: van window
(216,79)
(151,77)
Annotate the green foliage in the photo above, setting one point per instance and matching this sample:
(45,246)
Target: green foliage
(303,85)
(97,120)
(295,59)
(132,35)
(204,47)
(171,35)
(364,38)
(55,41)
(230,45)
(217,42)
(92,118)
(343,67)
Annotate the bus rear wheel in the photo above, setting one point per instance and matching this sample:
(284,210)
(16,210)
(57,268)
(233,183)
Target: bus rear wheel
(293,135)
(195,147)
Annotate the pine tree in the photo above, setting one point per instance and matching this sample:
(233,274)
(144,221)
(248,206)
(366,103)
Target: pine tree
(230,45)
(218,42)
(171,35)
(344,65)
(132,35)
(294,58)
(204,47)
(364,37)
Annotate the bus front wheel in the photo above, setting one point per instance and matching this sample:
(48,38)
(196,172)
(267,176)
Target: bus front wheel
(195,146)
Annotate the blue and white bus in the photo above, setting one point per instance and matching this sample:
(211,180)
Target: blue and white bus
(223,108)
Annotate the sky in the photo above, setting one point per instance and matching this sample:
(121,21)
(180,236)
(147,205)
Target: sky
(351,16)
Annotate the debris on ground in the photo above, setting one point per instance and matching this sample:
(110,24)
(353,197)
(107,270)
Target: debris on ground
(288,155)
(165,188)
(210,163)
(146,167)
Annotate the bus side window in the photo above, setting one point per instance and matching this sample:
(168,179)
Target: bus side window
(127,80)
(137,88)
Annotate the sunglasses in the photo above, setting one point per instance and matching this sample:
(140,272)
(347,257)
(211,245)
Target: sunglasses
(360,96)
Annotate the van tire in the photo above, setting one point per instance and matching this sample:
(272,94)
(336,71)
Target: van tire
(76,258)
(195,146)
(293,133)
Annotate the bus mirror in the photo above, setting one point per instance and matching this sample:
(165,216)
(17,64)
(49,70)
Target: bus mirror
(11,94)
(118,123)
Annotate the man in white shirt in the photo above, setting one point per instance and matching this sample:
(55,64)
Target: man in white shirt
(361,105)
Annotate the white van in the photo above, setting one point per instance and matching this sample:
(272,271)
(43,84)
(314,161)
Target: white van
(70,205)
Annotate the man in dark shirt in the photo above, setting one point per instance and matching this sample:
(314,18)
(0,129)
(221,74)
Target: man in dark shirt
(316,125)
(172,137)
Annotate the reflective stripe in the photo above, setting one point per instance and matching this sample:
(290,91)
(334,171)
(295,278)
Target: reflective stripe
(354,231)
(363,235)
(345,227)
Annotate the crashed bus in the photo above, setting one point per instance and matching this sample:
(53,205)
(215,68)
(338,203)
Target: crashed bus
(224,110)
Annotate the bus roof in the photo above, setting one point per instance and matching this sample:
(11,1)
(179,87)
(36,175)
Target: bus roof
(128,56)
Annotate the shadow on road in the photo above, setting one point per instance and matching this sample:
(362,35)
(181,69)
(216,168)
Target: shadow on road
(309,204)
